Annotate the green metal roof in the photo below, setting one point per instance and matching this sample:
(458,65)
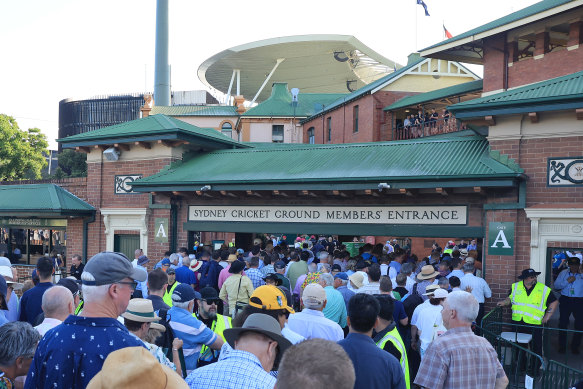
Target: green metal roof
(153,127)
(368,88)
(564,92)
(280,103)
(506,20)
(42,199)
(329,165)
(421,98)
(196,110)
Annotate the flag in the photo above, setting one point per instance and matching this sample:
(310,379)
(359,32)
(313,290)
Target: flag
(422,3)
(447,33)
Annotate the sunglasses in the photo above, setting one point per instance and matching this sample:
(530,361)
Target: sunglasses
(131,284)
(212,301)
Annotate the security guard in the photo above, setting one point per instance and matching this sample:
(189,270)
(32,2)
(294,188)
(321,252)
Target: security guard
(570,283)
(532,304)
(172,284)
(207,313)
(388,337)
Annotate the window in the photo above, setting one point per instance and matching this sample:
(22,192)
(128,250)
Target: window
(227,129)
(329,126)
(355,118)
(311,137)
(277,133)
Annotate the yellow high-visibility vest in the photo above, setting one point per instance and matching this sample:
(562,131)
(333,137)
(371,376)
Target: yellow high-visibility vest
(220,324)
(168,294)
(395,338)
(529,308)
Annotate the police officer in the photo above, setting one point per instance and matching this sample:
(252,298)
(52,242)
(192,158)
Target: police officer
(207,313)
(532,304)
(570,283)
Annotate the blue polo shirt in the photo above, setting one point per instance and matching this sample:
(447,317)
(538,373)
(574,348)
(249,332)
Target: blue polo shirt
(186,276)
(374,367)
(69,355)
(30,303)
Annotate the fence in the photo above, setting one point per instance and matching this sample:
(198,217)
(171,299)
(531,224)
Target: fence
(428,128)
(558,376)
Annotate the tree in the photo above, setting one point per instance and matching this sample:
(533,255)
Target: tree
(21,152)
(72,164)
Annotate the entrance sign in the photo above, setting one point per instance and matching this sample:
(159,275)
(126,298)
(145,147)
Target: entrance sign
(161,230)
(501,238)
(25,223)
(425,215)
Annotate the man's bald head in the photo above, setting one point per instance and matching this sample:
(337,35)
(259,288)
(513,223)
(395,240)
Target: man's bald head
(57,302)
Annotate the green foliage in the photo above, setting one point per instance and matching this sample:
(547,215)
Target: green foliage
(72,164)
(21,152)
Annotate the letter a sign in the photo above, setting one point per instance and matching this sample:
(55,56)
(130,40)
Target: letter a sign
(501,238)
(161,230)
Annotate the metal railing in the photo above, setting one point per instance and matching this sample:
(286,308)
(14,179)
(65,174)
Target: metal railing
(559,376)
(428,128)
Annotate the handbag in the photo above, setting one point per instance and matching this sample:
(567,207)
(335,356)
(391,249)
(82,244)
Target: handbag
(239,306)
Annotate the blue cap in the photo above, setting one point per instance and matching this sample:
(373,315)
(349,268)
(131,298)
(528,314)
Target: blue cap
(342,276)
(165,261)
(240,251)
(184,293)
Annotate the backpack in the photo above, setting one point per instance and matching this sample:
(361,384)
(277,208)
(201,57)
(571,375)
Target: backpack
(412,302)
(167,337)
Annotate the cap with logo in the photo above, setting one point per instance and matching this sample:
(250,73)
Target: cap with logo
(184,293)
(270,298)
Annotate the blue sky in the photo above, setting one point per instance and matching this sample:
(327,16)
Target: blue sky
(58,49)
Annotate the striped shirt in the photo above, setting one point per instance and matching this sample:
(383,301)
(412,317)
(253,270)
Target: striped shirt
(480,288)
(193,333)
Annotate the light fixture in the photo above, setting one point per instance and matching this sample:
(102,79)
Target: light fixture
(383,185)
(111,154)
(205,188)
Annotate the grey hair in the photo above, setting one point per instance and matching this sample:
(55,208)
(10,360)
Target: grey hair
(468,267)
(174,257)
(55,301)
(312,267)
(443,281)
(181,305)
(327,267)
(323,254)
(407,268)
(17,339)
(327,278)
(465,304)
(186,261)
(92,293)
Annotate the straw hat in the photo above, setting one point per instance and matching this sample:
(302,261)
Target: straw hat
(430,289)
(135,368)
(357,279)
(195,264)
(140,310)
(427,272)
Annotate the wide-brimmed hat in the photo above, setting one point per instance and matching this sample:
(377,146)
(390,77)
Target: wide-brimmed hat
(263,324)
(430,289)
(195,264)
(231,258)
(273,277)
(140,310)
(528,273)
(427,272)
(6,272)
(357,279)
(142,260)
(464,252)
(271,298)
(135,368)
(573,261)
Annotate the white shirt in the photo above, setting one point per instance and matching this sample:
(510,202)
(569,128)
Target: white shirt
(417,311)
(429,318)
(47,324)
(384,269)
(370,288)
(480,288)
(456,272)
(408,285)
(312,324)
(292,336)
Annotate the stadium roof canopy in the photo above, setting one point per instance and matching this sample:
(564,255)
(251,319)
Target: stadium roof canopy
(312,63)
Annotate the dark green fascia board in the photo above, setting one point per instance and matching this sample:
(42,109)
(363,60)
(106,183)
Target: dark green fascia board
(510,181)
(520,204)
(46,214)
(152,205)
(438,231)
(209,143)
(477,111)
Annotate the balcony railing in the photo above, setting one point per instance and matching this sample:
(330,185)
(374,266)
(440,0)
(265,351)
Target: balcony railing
(428,128)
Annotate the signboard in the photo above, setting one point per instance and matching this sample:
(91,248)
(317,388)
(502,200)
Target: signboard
(501,238)
(565,171)
(425,215)
(122,184)
(54,224)
(161,230)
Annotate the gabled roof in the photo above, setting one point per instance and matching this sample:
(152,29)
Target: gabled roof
(153,127)
(516,19)
(196,110)
(421,98)
(564,92)
(378,84)
(42,200)
(280,103)
(343,166)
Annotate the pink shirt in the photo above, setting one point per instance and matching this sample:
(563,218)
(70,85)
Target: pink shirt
(224,274)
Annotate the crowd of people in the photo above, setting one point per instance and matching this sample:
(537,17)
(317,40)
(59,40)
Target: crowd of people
(272,316)
(425,123)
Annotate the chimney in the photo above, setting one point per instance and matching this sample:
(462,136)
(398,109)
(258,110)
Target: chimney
(161,67)
(147,107)
(239,100)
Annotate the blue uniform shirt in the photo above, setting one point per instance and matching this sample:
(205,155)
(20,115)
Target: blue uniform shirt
(69,355)
(30,303)
(186,276)
(374,367)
